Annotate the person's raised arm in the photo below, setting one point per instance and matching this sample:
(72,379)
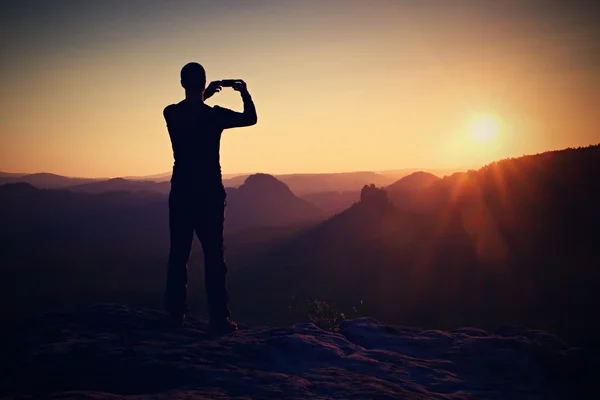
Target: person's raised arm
(248,117)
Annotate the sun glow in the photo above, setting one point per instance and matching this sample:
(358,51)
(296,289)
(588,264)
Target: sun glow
(484,128)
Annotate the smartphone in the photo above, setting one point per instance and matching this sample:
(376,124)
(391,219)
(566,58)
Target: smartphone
(228,82)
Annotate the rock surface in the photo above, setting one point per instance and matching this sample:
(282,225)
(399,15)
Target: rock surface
(112,351)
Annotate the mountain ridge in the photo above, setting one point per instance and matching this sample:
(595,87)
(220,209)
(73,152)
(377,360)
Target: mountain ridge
(477,235)
(301,184)
(264,199)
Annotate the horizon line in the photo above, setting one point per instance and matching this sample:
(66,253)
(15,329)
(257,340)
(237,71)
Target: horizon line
(235,174)
(232,175)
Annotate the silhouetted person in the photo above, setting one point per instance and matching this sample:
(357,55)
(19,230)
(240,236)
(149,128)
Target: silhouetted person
(197,197)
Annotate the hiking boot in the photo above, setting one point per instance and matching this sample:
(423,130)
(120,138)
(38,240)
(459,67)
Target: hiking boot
(222,326)
(177,316)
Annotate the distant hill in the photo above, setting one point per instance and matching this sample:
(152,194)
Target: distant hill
(266,201)
(304,184)
(300,184)
(397,174)
(412,182)
(111,211)
(121,184)
(260,200)
(408,192)
(44,180)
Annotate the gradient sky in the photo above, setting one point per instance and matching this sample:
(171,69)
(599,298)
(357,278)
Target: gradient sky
(339,85)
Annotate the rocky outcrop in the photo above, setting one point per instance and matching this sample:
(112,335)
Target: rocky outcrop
(112,351)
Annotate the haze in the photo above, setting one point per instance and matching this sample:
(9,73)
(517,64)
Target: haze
(339,85)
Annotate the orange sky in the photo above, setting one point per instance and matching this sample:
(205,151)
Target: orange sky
(338,85)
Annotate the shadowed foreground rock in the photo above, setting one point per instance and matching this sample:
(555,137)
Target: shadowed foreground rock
(111,351)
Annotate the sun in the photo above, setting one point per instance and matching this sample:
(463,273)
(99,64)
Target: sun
(484,128)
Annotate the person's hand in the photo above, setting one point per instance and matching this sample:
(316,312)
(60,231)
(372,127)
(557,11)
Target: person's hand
(240,86)
(212,88)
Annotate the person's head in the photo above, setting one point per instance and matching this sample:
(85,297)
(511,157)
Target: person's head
(193,77)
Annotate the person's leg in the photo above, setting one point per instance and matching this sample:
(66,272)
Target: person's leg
(181,229)
(209,228)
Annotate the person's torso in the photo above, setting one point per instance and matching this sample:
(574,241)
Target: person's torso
(195,134)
